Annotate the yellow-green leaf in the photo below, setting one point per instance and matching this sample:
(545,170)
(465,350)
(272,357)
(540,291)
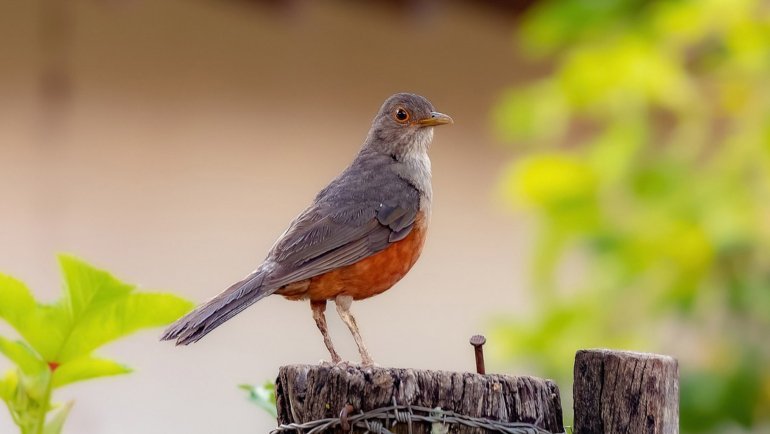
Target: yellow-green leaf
(263,396)
(86,368)
(41,325)
(88,288)
(16,301)
(120,318)
(22,355)
(8,385)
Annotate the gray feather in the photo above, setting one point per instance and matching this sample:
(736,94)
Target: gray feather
(206,317)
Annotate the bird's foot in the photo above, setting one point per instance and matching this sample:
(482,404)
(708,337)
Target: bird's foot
(366,359)
(342,364)
(369,364)
(345,364)
(330,364)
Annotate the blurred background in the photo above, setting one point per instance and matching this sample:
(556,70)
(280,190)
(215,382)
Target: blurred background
(606,183)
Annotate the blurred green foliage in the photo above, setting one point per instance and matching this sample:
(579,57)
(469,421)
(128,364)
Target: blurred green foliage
(263,397)
(59,338)
(645,161)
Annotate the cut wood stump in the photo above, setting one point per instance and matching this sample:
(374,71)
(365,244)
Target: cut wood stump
(307,393)
(625,392)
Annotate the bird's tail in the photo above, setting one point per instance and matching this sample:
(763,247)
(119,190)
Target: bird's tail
(208,316)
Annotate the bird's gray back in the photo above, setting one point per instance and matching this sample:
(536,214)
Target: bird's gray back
(368,206)
(373,179)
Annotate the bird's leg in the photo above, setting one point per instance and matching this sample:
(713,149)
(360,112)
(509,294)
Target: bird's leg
(319,307)
(343,309)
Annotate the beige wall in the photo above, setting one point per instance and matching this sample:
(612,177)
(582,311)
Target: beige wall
(196,131)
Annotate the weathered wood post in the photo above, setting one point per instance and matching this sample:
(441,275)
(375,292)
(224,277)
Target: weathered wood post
(625,392)
(308,393)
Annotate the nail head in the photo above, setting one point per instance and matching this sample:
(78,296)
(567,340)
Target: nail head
(478,340)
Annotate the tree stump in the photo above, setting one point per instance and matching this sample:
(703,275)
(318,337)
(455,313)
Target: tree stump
(625,392)
(311,392)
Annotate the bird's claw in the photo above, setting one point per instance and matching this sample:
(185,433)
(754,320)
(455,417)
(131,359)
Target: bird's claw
(339,363)
(344,364)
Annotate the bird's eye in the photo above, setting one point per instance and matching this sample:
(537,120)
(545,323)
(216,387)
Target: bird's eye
(401,115)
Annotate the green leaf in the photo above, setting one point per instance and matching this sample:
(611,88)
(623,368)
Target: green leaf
(87,288)
(22,355)
(42,326)
(263,396)
(120,318)
(95,309)
(103,309)
(525,114)
(8,385)
(16,301)
(86,368)
(54,426)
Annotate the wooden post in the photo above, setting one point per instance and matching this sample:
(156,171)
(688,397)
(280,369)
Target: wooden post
(625,392)
(308,393)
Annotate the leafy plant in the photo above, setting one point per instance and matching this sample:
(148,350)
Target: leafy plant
(646,165)
(263,396)
(58,339)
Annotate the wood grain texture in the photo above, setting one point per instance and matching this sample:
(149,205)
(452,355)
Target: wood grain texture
(311,392)
(625,392)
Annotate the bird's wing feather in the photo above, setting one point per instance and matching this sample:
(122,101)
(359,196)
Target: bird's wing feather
(318,242)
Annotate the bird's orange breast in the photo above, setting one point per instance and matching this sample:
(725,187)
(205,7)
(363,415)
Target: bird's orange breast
(367,277)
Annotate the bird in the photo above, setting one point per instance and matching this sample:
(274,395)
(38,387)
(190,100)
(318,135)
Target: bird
(361,234)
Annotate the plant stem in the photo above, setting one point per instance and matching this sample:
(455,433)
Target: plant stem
(46,405)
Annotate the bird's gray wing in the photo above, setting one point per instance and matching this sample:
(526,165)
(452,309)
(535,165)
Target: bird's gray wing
(320,241)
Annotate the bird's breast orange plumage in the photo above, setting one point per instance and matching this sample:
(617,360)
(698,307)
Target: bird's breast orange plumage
(367,277)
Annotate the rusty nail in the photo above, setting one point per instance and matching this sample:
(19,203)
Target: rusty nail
(478,342)
(346,410)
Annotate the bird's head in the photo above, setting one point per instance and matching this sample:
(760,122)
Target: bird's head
(404,125)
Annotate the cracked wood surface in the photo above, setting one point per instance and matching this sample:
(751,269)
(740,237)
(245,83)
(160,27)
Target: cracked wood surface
(311,392)
(625,392)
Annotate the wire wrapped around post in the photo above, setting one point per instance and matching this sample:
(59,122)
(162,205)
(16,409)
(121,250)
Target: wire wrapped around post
(378,421)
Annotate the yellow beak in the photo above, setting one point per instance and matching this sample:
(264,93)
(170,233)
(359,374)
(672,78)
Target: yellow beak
(435,119)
